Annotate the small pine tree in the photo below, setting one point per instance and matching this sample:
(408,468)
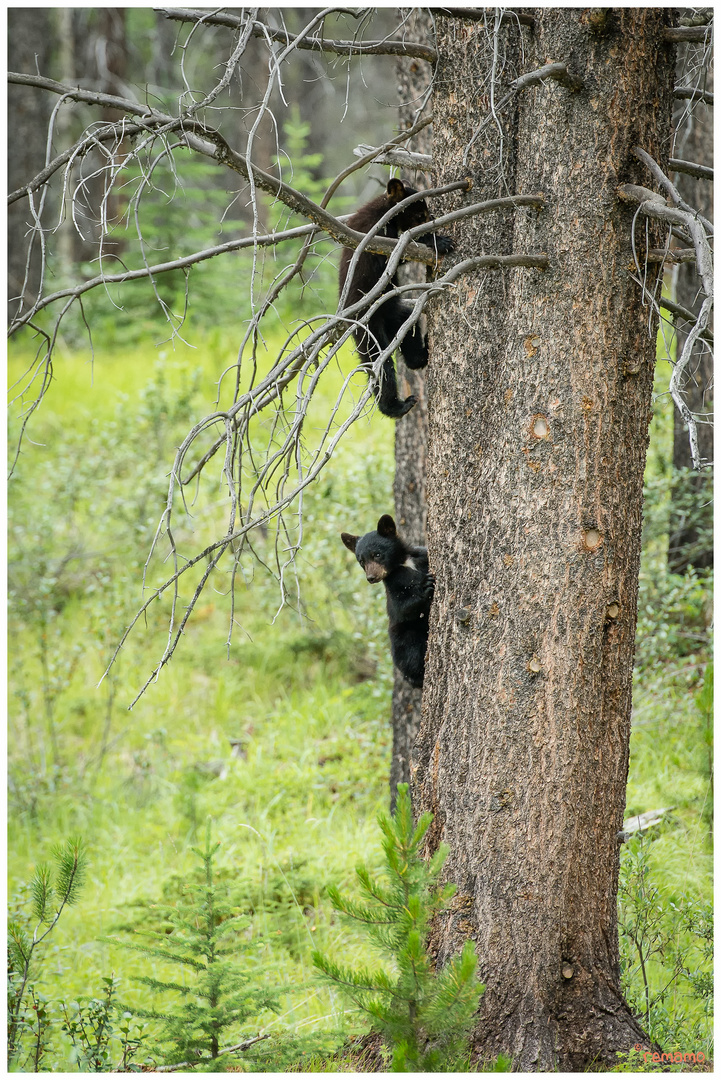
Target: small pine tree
(425,1015)
(219,999)
(50,894)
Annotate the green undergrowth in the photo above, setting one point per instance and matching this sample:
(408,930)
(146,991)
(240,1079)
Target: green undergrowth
(284,742)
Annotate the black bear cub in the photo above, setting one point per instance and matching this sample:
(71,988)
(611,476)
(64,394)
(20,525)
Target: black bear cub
(385,323)
(403,569)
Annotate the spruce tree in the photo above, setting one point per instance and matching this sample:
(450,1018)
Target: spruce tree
(219,999)
(425,1015)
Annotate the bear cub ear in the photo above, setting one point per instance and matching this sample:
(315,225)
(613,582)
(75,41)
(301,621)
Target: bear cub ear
(395,189)
(387,526)
(349,541)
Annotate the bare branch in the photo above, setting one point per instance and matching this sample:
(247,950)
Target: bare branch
(405,158)
(703,172)
(687,33)
(271,239)
(238,1048)
(255,442)
(653,205)
(681,214)
(673,256)
(678,373)
(109,133)
(349,237)
(481,14)
(685,315)
(558,72)
(92,97)
(693,93)
(317,44)
(664,181)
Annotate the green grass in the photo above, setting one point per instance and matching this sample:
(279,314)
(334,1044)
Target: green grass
(304,697)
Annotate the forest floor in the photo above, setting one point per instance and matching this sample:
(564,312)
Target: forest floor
(285,743)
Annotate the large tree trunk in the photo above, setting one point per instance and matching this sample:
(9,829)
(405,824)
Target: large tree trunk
(690,540)
(411,433)
(539,393)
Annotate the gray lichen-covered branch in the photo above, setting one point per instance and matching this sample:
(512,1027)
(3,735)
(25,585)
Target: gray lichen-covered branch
(317,44)
(685,221)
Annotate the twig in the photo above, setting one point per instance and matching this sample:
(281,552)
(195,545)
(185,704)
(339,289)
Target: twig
(693,93)
(318,44)
(481,14)
(685,315)
(679,371)
(703,172)
(558,72)
(405,158)
(238,1048)
(674,256)
(111,132)
(653,205)
(664,181)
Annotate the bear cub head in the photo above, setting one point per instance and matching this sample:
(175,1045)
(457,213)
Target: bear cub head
(415,214)
(380,552)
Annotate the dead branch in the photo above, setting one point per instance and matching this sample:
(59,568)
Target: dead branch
(303,360)
(679,370)
(687,33)
(693,93)
(703,172)
(237,1049)
(673,256)
(108,133)
(684,315)
(664,181)
(653,205)
(698,228)
(558,72)
(316,44)
(481,14)
(405,158)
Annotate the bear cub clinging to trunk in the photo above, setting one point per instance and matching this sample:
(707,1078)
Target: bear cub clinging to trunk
(403,569)
(387,320)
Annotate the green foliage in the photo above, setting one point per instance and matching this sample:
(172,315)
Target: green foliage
(51,890)
(99,1029)
(666,953)
(691,516)
(303,700)
(303,166)
(218,1000)
(425,1015)
(77,537)
(673,616)
(651,1061)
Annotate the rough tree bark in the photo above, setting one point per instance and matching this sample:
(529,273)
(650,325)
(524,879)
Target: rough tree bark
(411,433)
(691,518)
(539,394)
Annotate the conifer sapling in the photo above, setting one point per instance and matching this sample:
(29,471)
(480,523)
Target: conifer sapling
(425,1015)
(219,999)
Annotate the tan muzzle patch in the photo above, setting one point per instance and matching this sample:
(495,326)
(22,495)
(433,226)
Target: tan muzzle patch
(375,572)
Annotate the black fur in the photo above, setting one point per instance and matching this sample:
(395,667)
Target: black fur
(387,320)
(384,557)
